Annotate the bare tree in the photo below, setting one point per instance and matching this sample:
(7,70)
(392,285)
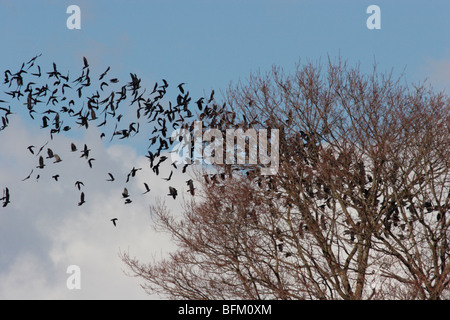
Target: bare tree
(357,210)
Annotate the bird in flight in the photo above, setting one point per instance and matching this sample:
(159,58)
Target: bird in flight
(50,153)
(41,148)
(114,221)
(41,163)
(86,64)
(173,192)
(132,173)
(180,86)
(190,183)
(170,176)
(90,162)
(81,199)
(85,152)
(29,176)
(6,197)
(125,193)
(78,184)
(146,188)
(111,177)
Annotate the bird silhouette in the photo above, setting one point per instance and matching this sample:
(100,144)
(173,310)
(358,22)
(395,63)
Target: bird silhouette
(180,86)
(41,163)
(111,177)
(45,120)
(104,74)
(173,192)
(6,197)
(81,199)
(90,162)
(190,183)
(114,221)
(49,153)
(85,152)
(41,148)
(170,176)
(132,173)
(211,97)
(29,176)
(78,184)
(146,188)
(86,64)
(38,74)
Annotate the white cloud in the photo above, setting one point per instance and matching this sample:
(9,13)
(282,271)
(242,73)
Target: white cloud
(43,230)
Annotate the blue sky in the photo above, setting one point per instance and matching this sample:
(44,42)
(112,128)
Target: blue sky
(207,45)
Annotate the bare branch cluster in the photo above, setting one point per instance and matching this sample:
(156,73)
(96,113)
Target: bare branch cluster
(358,209)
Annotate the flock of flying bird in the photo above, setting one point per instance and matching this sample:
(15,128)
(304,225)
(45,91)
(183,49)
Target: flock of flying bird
(65,101)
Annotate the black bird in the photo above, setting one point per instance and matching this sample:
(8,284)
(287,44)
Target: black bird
(6,197)
(170,176)
(29,176)
(86,65)
(180,86)
(73,147)
(104,74)
(85,152)
(111,177)
(30,148)
(41,148)
(211,98)
(90,162)
(199,103)
(132,173)
(50,153)
(173,192)
(81,199)
(41,163)
(78,184)
(146,188)
(45,122)
(125,193)
(114,221)
(190,183)
(428,205)
(56,176)
(103,84)
(37,74)
(280,247)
